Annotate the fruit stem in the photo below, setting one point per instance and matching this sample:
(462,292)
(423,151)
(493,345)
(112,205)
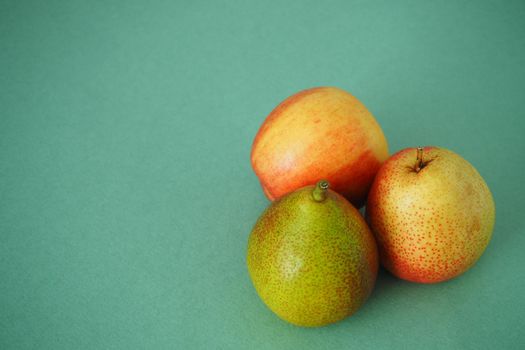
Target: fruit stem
(319,192)
(419,160)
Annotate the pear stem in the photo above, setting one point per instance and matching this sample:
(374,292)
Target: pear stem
(319,192)
(419,159)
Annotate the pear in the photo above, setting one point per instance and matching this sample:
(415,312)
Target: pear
(432,214)
(312,258)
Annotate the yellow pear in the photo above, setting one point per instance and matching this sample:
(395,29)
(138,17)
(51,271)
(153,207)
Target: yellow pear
(432,214)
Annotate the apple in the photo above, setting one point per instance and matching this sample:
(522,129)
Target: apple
(322,132)
(432,214)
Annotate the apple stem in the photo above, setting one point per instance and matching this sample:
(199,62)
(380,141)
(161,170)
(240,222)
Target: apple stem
(419,160)
(319,192)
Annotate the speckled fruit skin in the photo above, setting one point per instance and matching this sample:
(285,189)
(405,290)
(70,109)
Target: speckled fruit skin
(434,224)
(322,132)
(312,263)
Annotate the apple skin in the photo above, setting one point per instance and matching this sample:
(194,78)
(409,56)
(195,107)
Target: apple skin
(430,225)
(322,132)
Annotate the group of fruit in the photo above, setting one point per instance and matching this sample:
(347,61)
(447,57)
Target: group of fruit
(312,257)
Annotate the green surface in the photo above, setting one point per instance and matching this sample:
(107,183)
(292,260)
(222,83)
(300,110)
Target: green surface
(126,191)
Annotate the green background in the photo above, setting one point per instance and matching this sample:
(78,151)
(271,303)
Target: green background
(126,192)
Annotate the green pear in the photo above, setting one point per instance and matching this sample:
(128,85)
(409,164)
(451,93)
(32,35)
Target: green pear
(312,258)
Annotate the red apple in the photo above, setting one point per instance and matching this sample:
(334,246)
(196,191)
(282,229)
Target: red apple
(319,133)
